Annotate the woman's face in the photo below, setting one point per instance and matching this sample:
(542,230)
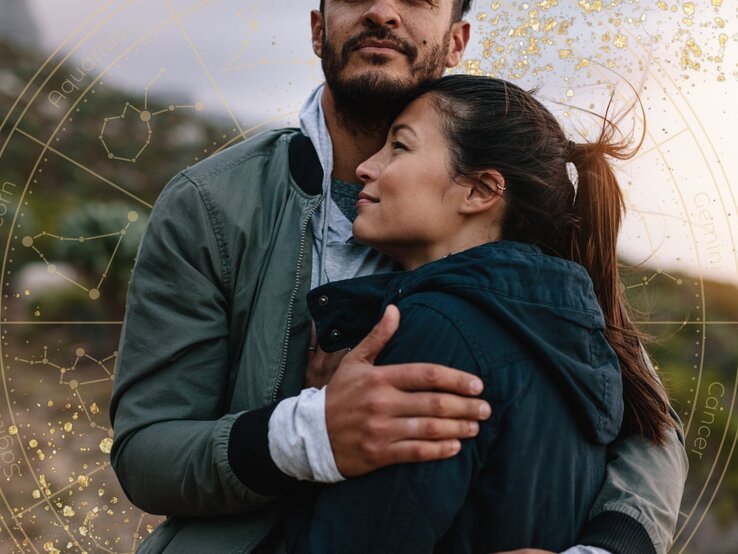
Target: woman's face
(408,206)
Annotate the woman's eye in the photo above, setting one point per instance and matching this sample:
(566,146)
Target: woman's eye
(397,145)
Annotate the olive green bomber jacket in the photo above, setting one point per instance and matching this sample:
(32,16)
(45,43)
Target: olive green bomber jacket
(217,325)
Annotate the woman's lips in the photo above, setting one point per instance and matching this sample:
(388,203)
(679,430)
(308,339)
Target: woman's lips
(365,199)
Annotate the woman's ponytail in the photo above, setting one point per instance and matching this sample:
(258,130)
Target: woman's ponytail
(597,215)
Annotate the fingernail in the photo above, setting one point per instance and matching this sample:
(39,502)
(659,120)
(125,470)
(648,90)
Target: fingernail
(476,386)
(455,447)
(473,427)
(484,410)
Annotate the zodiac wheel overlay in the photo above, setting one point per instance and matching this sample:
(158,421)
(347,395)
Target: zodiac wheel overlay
(80,171)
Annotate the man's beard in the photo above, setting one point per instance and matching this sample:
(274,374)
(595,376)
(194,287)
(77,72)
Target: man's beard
(368,103)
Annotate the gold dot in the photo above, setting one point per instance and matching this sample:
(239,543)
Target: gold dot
(94,294)
(13,430)
(132,216)
(51,268)
(145,116)
(199,106)
(106,445)
(27,242)
(73,384)
(80,352)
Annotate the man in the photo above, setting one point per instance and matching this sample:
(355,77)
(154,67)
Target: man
(210,420)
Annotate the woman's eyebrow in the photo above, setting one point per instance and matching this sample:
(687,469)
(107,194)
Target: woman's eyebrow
(400,126)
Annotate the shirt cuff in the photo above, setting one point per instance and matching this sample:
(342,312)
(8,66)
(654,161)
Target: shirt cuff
(298,438)
(579,549)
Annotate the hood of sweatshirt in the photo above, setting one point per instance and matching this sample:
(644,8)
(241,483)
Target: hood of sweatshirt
(547,303)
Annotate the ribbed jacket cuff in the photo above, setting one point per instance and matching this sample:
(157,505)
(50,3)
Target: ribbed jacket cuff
(248,454)
(617,533)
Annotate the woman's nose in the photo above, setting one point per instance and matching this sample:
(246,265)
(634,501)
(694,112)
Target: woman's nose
(367,170)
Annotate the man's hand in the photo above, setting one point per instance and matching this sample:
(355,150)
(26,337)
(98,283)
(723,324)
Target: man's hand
(321,365)
(383,415)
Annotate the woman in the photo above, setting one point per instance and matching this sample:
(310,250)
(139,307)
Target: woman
(511,275)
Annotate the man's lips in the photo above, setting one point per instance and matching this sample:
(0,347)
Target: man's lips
(379,47)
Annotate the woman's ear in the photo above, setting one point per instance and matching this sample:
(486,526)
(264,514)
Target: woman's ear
(486,191)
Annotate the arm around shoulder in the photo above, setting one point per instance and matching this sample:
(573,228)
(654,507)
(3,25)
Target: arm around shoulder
(638,505)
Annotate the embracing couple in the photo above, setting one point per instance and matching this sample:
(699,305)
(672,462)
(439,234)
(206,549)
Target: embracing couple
(400,329)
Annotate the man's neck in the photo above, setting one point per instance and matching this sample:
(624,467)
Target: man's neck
(352,144)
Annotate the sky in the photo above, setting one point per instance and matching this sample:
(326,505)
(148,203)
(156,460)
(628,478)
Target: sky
(251,60)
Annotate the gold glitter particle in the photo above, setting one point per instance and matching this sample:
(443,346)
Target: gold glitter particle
(40,454)
(720,22)
(68,511)
(481,16)
(106,445)
(662,5)
(723,38)
(94,408)
(13,430)
(591,5)
(50,404)
(33,443)
(569,93)
(717,3)
(694,48)
(620,41)
(36,494)
(51,549)
(83,481)
(564,54)
(83,531)
(100,492)
(688,8)
(68,427)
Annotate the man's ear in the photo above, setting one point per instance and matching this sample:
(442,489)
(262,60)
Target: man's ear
(458,39)
(486,190)
(317,26)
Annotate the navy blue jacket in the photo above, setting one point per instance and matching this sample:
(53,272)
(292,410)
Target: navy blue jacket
(530,326)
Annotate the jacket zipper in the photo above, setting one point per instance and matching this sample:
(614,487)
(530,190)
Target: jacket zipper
(293,296)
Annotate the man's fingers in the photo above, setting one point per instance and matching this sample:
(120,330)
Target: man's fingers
(439,405)
(369,348)
(426,377)
(432,428)
(422,451)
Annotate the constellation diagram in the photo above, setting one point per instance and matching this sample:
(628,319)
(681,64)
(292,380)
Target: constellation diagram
(90,408)
(94,292)
(144,117)
(646,280)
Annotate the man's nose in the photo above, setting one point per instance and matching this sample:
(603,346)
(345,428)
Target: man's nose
(382,13)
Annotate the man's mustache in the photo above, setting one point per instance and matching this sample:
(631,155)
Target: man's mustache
(379,33)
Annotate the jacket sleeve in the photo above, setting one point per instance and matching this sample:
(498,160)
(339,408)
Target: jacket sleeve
(170,447)
(638,505)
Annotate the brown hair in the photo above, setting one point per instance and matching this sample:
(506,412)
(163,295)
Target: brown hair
(492,124)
